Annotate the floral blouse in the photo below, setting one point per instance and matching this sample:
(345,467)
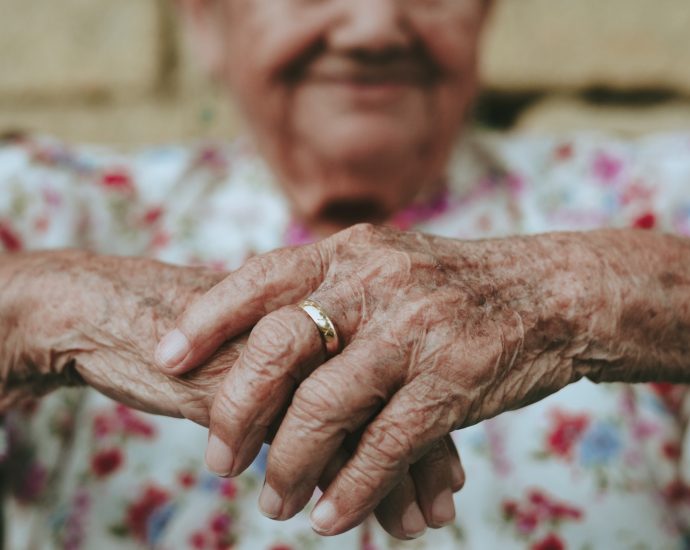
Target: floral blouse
(593,466)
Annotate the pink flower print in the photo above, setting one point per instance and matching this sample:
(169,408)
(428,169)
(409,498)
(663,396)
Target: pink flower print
(187,479)
(51,197)
(33,483)
(117,179)
(160,239)
(636,191)
(606,167)
(564,152)
(515,183)
(228,489)
(672,395)
(152,215)
(73,530)
(103,425)
(220,524)
(216,534)
(122,421)
(551,542)
(105,462)
(133,423)
(677,492)
(645,221)
(197,540)
(213,159)
(566,430)
(643,429)
(526,522)
(538,508)
(671,450)
(139,512)
(423,211)
(9,239)
(298,234)
(550,510)
(41,224)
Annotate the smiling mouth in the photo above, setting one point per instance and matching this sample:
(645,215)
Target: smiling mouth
(335,72)
(389,68)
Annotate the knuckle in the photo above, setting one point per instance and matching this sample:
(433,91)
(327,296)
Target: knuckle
(437,455)
(271,340)
(359,475)
(361,232)
(223,410)
(280,467)
(251,277)
(388,446)
(317,401)
(398,262)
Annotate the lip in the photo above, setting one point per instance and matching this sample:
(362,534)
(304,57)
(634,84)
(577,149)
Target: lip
(371,88)
(368,93)
(408,74)
(367,80)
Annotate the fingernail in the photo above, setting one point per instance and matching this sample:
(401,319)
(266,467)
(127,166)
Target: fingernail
(323,517)
(172,349)
(413,522)
(443,508)
(218,456)
(270,503)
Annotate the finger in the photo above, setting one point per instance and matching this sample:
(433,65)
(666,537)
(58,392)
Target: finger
(457,471)
(338,398)
(398,513)
(283,348)
(433,480)
(263,284)
(396,438)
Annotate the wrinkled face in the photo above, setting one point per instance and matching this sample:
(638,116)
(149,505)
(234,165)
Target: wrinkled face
(354,102)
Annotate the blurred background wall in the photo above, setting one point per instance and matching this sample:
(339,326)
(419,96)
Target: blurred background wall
(118,72)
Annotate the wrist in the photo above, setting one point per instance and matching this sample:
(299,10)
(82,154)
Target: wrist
(649,299)
(561,289)
(29,364)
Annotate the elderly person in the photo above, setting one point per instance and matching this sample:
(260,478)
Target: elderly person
(357,108)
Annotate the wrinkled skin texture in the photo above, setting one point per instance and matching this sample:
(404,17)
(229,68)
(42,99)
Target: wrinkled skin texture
(75,317)
(438,334)
(70,318)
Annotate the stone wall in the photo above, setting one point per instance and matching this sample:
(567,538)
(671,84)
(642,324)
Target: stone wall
(117,72)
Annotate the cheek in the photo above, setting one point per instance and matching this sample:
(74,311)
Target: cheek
(453,41)
(265,38)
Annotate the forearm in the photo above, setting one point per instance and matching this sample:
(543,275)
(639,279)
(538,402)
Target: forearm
(609,305)
(648,298)
(28,364)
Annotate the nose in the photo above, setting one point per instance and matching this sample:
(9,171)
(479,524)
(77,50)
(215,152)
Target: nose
(370,25)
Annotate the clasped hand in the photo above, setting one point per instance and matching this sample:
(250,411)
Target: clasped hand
(437,334)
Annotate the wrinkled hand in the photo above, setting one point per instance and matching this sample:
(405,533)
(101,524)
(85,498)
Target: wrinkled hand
(438,334)
(97,319)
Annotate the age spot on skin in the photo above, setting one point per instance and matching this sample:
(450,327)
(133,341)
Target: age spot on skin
(671,280)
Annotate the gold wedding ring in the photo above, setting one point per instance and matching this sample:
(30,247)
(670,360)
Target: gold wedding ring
(329,334)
